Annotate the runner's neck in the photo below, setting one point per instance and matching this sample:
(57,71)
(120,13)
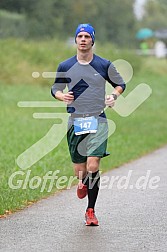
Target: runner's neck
(85,58)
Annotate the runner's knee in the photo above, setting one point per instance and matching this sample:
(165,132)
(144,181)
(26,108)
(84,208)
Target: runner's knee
(93,164)
(80,170)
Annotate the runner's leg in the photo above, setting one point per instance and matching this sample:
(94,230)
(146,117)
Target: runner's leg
(93,180)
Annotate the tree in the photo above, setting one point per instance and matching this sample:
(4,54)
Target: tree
(45,18)
(113,20)
(117,20)
(15,5)
(155,14)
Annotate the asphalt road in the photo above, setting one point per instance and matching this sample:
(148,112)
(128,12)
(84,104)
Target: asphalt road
(132,213)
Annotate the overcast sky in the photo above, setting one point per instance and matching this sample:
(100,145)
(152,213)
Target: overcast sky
(138,8)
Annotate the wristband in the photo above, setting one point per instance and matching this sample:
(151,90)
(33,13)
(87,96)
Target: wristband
(114,96)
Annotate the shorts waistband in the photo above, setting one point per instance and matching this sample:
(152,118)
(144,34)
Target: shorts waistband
(74,115)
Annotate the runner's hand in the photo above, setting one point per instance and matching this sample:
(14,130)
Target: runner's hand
(68,97)
(110,102)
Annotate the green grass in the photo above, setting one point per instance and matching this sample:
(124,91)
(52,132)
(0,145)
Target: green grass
(135,135)
(20,58)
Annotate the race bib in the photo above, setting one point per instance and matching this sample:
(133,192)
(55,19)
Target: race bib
(85,125)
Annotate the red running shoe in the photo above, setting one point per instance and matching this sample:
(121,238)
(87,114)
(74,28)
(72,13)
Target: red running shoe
(90,218)
(82,191)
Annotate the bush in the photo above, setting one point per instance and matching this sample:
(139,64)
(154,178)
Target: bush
(112,53)
(12,24)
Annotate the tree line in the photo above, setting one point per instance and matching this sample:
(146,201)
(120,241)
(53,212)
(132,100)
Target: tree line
(114,20)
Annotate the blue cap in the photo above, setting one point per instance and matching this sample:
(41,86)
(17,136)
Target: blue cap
(86,28)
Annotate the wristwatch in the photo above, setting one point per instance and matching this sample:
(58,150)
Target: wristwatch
(114,96)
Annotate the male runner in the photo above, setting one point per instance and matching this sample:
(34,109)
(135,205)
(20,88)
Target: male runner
(85,75)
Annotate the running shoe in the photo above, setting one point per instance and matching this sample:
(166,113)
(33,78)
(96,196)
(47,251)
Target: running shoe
(82,191)
(90,218)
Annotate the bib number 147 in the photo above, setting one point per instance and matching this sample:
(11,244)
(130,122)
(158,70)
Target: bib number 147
(85,125)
